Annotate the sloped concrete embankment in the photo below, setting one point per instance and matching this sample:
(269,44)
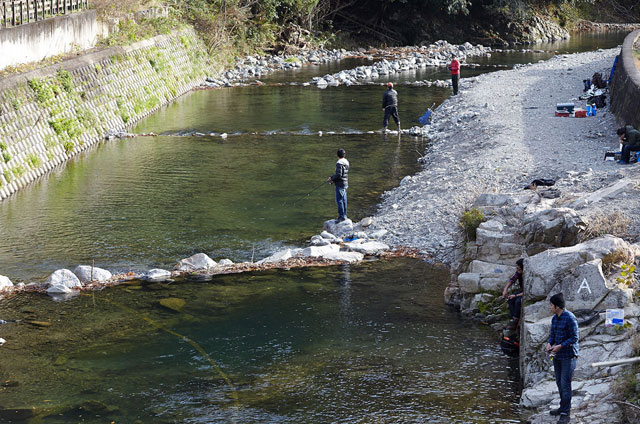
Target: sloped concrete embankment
(625,84)
(48,116)
(547,233)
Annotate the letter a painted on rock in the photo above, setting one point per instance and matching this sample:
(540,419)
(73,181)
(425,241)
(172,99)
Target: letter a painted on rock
(584,285)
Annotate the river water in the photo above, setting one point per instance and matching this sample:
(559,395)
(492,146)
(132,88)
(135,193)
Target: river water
(366,343)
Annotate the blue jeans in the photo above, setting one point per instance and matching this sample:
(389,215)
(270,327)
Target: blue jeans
(341,200)
(626,151)
(563,369)
(515,306)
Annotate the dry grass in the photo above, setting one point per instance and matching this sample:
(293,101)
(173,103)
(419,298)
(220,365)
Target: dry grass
(615,223)
(611,261)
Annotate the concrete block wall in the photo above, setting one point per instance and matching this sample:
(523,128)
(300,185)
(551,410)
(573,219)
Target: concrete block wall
(48,116)
(50,37)
(625,85)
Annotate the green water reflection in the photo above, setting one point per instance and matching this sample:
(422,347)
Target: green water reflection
(366,343)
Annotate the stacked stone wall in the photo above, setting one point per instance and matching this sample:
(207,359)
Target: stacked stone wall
(625,85)
(49,115)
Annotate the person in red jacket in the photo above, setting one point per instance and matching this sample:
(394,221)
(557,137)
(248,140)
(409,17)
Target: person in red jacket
(454,67)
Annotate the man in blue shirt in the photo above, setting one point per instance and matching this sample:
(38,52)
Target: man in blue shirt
(563,347)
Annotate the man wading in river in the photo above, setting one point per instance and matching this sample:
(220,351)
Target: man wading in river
(341,180)
(390,106)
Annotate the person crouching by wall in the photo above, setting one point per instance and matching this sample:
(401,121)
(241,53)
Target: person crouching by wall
(630,139)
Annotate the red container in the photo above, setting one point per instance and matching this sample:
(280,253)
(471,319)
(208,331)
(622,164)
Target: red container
(580,113)
(562,113)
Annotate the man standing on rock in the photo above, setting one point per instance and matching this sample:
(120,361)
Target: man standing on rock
(341,180)
(563,347)
(390,106)
(454,67)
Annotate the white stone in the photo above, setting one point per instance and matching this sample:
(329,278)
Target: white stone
(282,255)
(481,267)
(225,262)
(378,234)
(350,257)
(5,282)
(315,251)
(156,274)
(367,248)
(197,262)
(84,274)
(62,281)
(538,395)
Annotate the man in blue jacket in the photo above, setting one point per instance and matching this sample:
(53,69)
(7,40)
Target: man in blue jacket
(563,347)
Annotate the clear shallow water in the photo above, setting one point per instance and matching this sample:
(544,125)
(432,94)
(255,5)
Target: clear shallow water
(148,202)
(366,343)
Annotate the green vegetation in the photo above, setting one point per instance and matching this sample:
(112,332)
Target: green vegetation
(65,127)
(68,145)
(18,171)
(64,77)
(34,161)
(6,156)
(7,175)
(42,90)
(469,222)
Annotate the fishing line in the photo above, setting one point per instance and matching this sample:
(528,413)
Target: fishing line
(194,344)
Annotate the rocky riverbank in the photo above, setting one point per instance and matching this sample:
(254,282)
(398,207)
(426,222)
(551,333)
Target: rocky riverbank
(496,137)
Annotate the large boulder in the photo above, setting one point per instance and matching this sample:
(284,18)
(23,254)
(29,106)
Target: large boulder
(86,272)
(62,281)
(338,229)
(5,282)
(197,262)
(544,270)
(558,227)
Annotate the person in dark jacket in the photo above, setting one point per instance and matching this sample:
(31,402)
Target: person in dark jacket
(390,106)
(563,347)
(630,139)
(515,299)
(341,181)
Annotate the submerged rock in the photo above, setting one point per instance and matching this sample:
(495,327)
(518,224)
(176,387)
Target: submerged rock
(84,273)
(173,303)
(62,281)
(197,262)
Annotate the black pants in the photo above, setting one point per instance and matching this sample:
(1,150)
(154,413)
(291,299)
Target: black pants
(626,151)
(454,82)
(390,111)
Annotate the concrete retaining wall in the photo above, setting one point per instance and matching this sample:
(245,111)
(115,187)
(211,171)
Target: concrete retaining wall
(49,115)
(37,40)
(625,85)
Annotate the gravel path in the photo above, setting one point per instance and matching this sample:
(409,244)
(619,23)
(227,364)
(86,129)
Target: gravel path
(498,135)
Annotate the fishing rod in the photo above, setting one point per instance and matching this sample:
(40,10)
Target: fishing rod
(306,195)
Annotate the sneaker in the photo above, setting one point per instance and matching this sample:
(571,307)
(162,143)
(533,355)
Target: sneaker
(554,412)
(564,419)
(621,162)
(339,220)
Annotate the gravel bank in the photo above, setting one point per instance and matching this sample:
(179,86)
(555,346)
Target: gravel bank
(498,135)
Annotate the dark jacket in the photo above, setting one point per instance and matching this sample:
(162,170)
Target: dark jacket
(631,136)
(390,98)
(341,177)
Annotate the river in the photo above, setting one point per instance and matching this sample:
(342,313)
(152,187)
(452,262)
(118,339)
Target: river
(365,343)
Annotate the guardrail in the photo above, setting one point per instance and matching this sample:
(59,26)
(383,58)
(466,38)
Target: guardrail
(18,12)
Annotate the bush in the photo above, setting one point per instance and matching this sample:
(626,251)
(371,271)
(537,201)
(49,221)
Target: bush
(469,222)
(65,80)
